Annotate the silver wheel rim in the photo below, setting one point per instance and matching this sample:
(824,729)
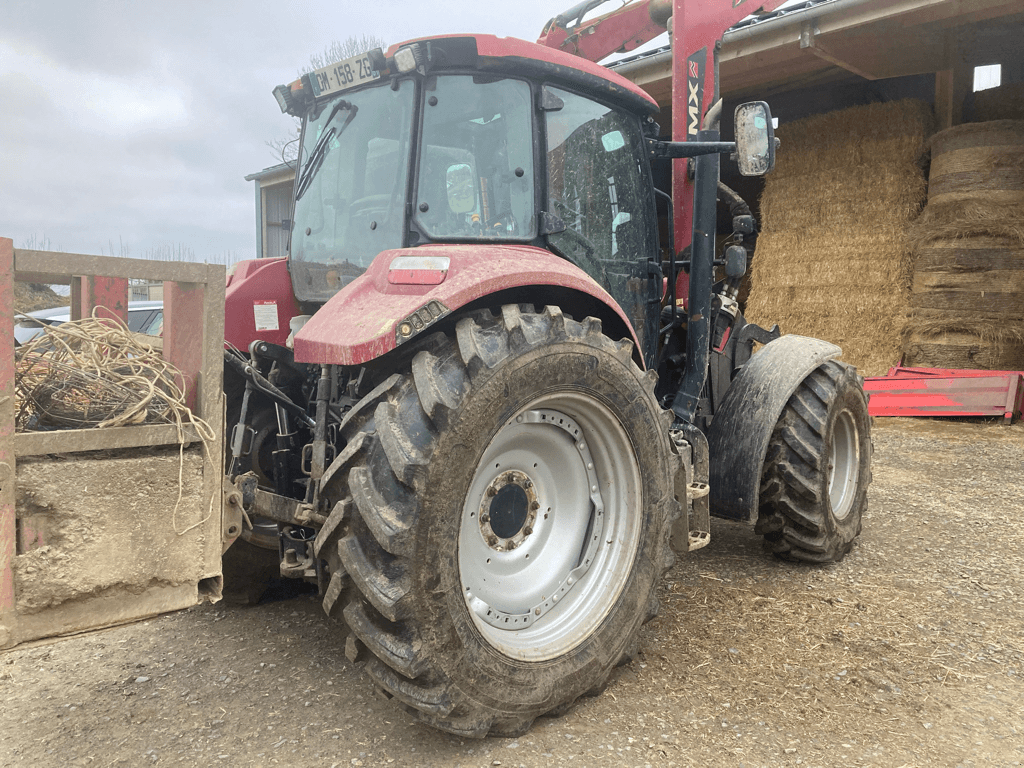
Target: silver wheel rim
(843,465)
(550,527)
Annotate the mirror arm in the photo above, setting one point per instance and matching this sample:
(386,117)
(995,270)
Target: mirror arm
(660,150)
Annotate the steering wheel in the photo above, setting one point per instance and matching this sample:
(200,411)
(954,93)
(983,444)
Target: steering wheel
(370,203)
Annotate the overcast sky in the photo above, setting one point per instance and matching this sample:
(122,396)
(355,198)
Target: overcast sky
(131,125)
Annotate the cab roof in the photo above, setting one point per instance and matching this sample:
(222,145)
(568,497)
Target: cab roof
(510,55)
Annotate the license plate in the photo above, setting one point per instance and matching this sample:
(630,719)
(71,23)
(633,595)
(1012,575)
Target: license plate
(343,75)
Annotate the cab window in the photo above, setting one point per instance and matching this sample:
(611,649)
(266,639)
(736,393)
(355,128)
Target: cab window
(475,176)
(597,184)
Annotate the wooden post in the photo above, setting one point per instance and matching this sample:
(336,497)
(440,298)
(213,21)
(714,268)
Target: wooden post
(944,99)
(952,84)
(7,479)
(110,293)
(183,333)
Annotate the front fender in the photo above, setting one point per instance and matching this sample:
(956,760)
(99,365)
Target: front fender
(743,425)
(362,321)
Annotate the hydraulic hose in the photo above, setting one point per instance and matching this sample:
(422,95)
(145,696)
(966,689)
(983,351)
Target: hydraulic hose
(260,382)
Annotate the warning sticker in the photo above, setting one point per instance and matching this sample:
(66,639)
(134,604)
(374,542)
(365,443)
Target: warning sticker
(265,314)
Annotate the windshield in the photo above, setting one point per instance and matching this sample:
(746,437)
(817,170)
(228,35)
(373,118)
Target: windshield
(476,162)
(351,185)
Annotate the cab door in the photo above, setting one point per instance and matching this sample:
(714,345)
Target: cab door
(599,186)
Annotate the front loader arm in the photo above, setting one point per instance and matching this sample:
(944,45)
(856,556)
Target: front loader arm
(698,27)
(621,30)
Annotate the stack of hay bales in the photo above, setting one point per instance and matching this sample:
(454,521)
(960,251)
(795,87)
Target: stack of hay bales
(968,286)
(833,260)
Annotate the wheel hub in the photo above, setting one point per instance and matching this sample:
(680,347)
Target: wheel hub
(508,511)
(521,546)
(843,465)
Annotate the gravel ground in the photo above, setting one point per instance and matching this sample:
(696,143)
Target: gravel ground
(908,653)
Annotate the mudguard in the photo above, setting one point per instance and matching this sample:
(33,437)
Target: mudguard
(743,425)
(365,319)
(258,302)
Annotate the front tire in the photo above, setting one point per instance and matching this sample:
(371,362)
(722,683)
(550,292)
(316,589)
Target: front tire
(815,480)
(501,520)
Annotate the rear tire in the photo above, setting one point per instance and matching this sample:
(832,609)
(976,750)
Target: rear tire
(816,475)
(501,520)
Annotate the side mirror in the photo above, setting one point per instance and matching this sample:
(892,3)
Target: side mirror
(459,182)
(755,139)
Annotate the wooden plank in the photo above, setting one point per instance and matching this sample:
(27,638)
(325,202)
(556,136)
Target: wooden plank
(79,440)
(76,297)
(211,404)
(49,262)
(213,344)
(156,342)
(7,453)
(43,278)
(99,612)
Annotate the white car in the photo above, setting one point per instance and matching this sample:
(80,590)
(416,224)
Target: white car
(143,317)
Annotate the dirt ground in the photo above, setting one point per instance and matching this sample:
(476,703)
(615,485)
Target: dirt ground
(908,653)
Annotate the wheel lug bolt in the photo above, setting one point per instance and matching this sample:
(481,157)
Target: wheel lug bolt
(485,518)
(492,540)
(535,505)
(491,491)
(510,546)
(528,483)
(527,530)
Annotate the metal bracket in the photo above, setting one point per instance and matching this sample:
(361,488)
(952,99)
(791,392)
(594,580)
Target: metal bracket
(231,519)
(256,501)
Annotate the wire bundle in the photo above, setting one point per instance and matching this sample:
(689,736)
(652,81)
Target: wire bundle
(95,373)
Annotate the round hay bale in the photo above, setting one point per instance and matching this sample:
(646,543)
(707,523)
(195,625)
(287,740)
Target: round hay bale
(964,349)
(974,254)
(975,160)
(998,215)
(970,279)
(967,294)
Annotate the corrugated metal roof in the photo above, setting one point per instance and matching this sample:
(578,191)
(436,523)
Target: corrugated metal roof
(273,170)
(748,23)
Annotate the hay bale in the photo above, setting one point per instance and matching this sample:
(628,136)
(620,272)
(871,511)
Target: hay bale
(968,286)
(978,161)
(937,339)
(1003,103)
(976,184)
(983,276)
(833,259)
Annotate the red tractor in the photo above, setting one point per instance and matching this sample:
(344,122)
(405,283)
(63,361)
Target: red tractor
(471,407)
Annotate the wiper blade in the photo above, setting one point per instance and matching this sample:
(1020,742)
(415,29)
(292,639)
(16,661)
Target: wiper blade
(319,151)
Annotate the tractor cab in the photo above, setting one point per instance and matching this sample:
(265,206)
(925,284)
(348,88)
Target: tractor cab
(471,141)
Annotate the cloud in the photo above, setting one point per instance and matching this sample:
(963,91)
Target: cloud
(139,120)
